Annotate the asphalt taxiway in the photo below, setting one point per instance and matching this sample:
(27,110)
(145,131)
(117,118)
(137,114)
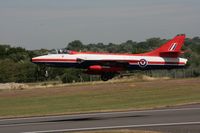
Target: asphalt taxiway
(178,119)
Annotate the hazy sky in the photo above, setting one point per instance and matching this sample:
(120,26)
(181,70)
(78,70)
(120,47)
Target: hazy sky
(36,24)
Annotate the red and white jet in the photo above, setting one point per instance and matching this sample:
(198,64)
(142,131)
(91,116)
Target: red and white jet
(110,64)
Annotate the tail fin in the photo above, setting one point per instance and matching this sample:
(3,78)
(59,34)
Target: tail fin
(171,48)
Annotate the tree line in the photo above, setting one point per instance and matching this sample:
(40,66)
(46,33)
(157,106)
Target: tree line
(15,65)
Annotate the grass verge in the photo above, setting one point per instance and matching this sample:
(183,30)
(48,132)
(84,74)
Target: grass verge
(99,97)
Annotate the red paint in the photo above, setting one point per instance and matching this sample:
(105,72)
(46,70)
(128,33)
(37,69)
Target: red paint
(163,51)
(104,68)
(104,53)
(97,67)
(158,63)
(53,60)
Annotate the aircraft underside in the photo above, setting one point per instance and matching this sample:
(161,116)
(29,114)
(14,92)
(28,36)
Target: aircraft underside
(108,72)
(129,67)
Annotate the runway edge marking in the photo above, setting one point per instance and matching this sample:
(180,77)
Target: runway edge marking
(116,127)
(106,113)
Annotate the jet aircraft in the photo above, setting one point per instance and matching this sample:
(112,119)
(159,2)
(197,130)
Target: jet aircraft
(108,65)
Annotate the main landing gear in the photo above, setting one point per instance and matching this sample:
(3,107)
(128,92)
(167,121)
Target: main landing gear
(107,76)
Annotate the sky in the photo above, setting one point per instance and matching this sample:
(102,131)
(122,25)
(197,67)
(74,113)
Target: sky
(36,24)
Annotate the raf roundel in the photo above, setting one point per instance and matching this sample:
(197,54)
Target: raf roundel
(143,63)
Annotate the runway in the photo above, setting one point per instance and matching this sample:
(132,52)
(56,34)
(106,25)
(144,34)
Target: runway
(180,119)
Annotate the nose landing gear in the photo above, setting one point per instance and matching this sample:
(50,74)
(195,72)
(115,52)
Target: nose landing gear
(42,72)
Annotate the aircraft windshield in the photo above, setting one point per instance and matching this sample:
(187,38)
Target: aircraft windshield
(59,51)
(53,51)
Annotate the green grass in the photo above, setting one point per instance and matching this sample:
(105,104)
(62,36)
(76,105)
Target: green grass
(100,97)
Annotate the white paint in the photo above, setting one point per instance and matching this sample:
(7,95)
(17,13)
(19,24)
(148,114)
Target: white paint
(117,127)
(108,57)
(173,47)
(94,114)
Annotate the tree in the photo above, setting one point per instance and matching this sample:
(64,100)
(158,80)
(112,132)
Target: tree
(75,45)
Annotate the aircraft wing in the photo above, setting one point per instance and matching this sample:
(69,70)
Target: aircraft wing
(112,63)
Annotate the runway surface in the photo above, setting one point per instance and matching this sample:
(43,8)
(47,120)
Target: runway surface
(180,119)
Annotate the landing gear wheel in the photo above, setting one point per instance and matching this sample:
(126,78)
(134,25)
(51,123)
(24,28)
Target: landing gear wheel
(107,76)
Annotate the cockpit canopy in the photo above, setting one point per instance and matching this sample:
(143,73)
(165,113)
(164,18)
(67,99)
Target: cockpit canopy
(61,51)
